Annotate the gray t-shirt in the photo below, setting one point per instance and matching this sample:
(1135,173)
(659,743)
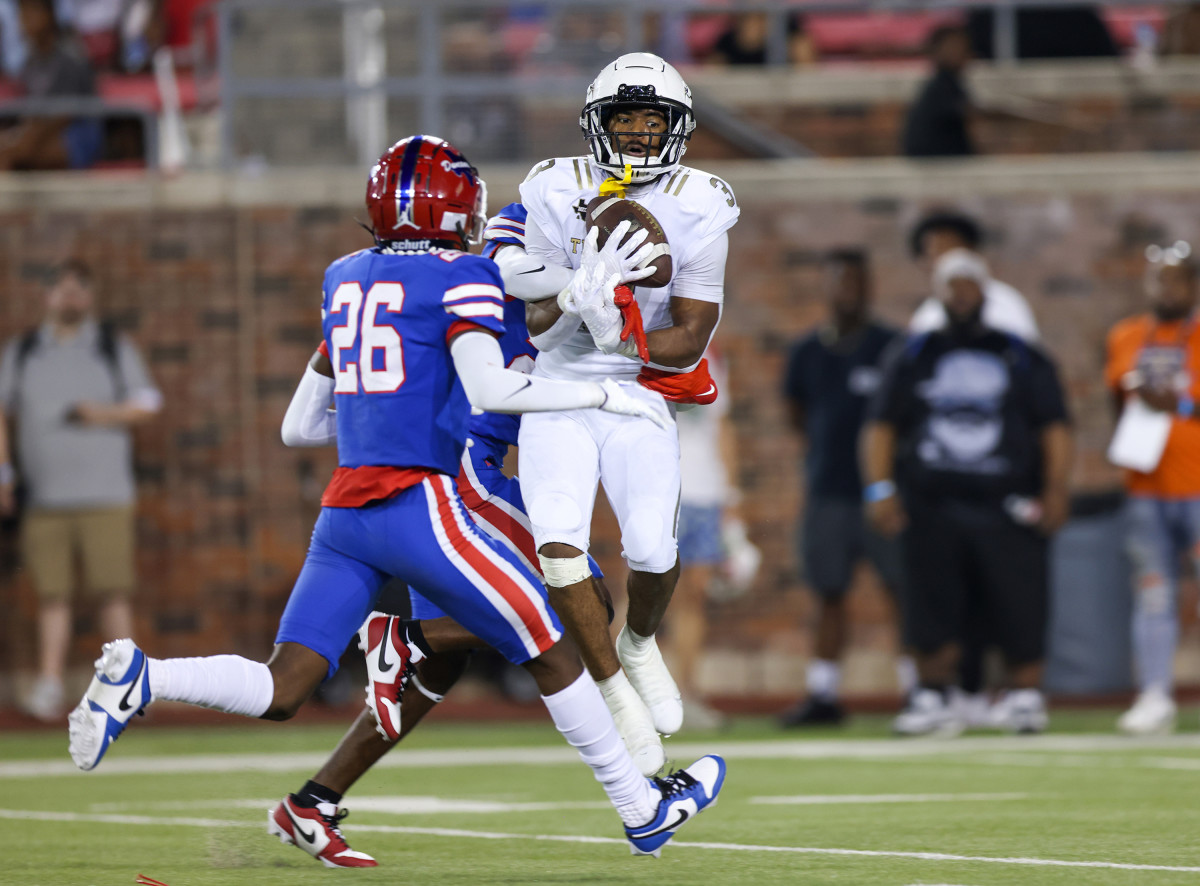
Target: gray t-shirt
(64,464)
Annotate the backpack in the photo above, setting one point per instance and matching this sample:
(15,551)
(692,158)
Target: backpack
(106,345)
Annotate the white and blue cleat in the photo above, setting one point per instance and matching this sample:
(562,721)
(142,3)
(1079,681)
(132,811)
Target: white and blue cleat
(120,689)
(685,794)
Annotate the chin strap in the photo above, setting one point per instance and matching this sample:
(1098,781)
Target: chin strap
(617,186)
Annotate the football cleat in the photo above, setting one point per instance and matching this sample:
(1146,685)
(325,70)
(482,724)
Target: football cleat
(120,689)
(685,794)
(390,667)
(315,830)
(648,673)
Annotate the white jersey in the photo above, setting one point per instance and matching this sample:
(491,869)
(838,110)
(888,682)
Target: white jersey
(695,210)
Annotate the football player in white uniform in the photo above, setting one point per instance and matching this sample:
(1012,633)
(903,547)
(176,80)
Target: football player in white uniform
(636,120)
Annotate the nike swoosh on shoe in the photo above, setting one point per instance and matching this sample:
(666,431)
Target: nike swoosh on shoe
(310,838)
(124,704)
(684,815)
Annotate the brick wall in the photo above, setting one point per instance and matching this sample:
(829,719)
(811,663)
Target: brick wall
(223,299)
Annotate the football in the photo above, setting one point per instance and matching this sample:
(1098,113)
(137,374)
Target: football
(606,212)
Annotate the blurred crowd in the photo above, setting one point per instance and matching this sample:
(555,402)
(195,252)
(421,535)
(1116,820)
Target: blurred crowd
(941,453)
(86,49)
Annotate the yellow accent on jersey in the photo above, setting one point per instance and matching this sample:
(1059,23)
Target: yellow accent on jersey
(615,186)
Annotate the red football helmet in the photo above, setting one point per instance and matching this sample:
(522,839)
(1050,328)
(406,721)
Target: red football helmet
(423,188)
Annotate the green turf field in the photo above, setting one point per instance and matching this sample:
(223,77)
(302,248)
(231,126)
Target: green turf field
(473,804)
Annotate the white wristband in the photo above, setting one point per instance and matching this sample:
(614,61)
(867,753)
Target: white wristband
(7,475)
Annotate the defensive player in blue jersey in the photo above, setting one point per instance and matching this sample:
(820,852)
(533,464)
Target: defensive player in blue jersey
(427,653)
(411,328)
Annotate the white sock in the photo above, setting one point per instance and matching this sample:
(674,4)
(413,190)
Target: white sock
(228,683)
(637,642)
(580,714)
(617,684)
(823,678)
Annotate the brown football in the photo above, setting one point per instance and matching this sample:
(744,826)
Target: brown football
(607,212)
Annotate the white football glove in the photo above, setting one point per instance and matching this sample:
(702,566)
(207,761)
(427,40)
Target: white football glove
(590,295)
(630,398)
(622,259)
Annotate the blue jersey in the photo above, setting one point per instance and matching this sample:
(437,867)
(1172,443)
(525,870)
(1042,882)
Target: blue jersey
(508,226)
(387,320)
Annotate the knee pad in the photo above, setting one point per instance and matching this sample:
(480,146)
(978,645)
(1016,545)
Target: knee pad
(647,542)
(560,572)
(555,512)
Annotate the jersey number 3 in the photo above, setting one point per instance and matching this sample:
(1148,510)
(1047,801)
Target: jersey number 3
(379,347)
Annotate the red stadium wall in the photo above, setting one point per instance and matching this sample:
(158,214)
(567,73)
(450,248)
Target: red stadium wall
(222,298)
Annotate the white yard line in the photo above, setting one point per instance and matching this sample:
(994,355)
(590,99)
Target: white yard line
(391,805)
(458,833)
(854,749)
(425,805)
(869,799)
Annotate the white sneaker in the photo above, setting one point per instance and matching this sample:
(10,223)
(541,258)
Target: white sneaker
(120,689)
(927,713)
(635,726)
(1153,713)
(974,708)
(45,700)
(684,795)
(649,675)
(1022,711)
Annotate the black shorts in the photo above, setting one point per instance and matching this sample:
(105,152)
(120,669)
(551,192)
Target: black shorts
(956,553)
(833,538)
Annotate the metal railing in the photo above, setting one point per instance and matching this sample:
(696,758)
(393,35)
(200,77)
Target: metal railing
(71,106)
(437,82)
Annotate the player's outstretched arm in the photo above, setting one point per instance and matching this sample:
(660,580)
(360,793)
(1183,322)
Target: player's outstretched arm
(309,420)
(493,388)
(529,278)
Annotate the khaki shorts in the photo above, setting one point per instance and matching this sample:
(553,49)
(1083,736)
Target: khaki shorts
(101,538)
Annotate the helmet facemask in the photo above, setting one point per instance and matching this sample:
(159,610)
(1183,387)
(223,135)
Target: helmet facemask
(605,145)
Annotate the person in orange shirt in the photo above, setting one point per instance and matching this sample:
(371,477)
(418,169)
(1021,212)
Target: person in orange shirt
(1156,357)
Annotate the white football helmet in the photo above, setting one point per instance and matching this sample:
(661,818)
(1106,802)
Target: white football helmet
(640,80)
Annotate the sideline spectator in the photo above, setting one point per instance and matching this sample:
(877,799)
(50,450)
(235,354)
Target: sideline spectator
(745,41)
(707,464)
(831,374)
(74,388)
(1004,308)
(937,121)
(965,457)
(1154,361)
(55,68)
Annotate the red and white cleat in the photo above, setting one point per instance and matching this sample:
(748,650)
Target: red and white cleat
(390,666)
(316,831)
